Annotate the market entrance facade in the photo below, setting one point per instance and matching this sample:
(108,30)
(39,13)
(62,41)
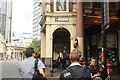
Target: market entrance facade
(57,35)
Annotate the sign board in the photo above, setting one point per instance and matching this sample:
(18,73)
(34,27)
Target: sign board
(61,19)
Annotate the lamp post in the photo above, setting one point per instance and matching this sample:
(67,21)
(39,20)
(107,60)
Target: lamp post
(104,27)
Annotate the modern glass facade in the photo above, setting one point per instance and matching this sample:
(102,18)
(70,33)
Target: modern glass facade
(6,19)
(3,11)
(36,19)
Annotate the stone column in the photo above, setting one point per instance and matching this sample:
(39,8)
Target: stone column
(51,60)
(43,44)
(48,47)
(71,44)
(79,26)
(48,6)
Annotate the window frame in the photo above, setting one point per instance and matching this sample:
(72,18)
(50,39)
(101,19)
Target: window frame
(67,6)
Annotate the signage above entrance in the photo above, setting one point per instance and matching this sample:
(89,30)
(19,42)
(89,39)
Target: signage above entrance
(61,19)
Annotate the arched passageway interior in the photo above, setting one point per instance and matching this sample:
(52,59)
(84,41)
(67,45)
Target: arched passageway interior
(61,43)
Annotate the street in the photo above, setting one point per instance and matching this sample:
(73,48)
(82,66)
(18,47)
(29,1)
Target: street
(0,70)
(10,69)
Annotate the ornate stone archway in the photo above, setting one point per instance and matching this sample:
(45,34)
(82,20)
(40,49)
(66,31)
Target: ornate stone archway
(61,42)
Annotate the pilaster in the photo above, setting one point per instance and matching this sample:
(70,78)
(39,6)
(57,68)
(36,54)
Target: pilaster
(79,26)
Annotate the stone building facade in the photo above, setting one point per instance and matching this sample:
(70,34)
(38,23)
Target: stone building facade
(59,28)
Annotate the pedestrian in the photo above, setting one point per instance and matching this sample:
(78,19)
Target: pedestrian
(83,62)
(92,69)
(26,68)
(75,71)
(21,55)
(67,60)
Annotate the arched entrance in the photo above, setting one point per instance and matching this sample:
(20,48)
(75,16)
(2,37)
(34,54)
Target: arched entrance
(61,44)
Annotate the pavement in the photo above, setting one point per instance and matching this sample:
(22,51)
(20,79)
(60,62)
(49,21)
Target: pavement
(57,71)
(53,76)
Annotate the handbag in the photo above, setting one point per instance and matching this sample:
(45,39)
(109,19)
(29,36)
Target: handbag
(37,75)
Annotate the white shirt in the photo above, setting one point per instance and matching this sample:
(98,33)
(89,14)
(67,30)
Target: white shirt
(26,68)
(73,64)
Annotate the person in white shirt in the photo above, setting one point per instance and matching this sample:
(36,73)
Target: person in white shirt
(26,68)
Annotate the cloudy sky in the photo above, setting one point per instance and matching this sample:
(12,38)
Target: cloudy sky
(22,16)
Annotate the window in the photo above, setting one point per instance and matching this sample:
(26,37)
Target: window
(113,6)
(97,5)
(61,5)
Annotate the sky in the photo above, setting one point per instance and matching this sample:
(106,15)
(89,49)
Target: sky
(22,16)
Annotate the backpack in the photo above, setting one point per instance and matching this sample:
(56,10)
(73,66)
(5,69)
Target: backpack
(103,72)
(85,75)
(37,75)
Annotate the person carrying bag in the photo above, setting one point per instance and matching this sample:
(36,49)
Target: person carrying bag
(37,75)
(30,67)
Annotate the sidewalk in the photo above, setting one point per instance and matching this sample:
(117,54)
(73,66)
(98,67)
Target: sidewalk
(56,73)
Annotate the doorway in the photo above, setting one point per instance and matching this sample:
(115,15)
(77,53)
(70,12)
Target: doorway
(61,46)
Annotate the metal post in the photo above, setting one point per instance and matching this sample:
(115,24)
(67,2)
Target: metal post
(104,27)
